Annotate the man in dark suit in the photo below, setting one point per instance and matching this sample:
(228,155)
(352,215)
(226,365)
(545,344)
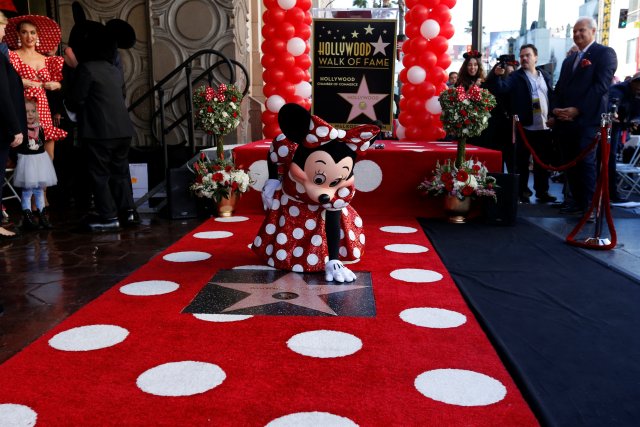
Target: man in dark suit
(580,98)
(13,117)
(529,89)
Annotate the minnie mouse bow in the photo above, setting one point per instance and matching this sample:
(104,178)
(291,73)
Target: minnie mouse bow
(357,138)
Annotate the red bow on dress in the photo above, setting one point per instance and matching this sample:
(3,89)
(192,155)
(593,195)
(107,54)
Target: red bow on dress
(33,132)
(357,138)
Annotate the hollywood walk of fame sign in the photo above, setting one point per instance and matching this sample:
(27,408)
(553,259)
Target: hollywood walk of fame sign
(283,293)
(353,71)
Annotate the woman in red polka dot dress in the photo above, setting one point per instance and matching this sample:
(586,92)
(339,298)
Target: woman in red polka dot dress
(310,225)
(30,37)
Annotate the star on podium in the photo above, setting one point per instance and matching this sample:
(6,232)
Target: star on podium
(290,288)
(362,102)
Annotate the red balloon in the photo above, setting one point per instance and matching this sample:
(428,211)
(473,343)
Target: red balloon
(286,30)
(427,59)
(279,46)
(269,116)
(403,103)
(406,119)
(413,133)
(441,13)
(415,106)
(440,133)
(444,61)
(412,31)
(306,103)
(441,87)
(419,14)
(268,4)
(425,90)
(286,61)
(446,30)
(409,60)
(307,76)
(308,19)
(296,75)
(269,32)
(402,75)
(409,90)
(294,15)
(431,3)
(448,3)
(304,4)
(269,89)
(271,129)
(303,61)
(437,75)
(273,75)
(274,16)
(411,3)
(296,100)
(286,89)
(268,60)
(419,45)
(303,31)
(438,45)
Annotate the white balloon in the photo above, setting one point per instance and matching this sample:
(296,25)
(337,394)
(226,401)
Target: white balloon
(286,4)
(275,103)
(416,75)
(400,132)
(430,28)
(433,105)
(303,89)
(296,46)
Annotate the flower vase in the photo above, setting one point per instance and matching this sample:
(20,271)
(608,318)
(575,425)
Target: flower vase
(227,205)
(456,209)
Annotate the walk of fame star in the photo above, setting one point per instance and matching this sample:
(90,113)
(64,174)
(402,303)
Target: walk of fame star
(362,102)
(291,289)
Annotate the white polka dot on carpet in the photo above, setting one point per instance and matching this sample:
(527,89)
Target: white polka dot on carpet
(460,387)
(87,338)
(312,419)
(416,275)
(181,378)
(436,318)
(14,415)
(187,256)
(324,344)
(149,288)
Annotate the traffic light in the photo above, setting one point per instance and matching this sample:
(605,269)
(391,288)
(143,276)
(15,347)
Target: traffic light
(622,22)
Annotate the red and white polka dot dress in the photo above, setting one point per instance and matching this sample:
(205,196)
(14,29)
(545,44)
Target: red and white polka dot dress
(52,72)
(292,236)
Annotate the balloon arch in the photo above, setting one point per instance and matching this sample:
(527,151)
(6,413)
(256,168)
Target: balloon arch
(286,62)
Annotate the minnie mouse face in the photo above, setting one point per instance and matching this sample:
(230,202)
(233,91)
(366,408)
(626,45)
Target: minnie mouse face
(322,173)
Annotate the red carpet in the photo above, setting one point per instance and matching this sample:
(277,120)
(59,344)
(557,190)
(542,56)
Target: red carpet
(135,359)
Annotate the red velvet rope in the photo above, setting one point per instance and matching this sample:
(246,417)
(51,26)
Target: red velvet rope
(571,164)
(600,197)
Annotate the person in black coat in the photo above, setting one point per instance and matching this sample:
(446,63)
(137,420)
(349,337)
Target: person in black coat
(13,117)
(579,100)
(529,89)
(96,93)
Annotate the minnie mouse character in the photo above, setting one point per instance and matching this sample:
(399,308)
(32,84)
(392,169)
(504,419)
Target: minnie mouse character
(310,225)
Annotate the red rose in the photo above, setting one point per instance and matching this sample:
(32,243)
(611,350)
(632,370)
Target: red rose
(467,191)
(217,177)
(228,168)
(446,177)
(448,186)
(476,168)
(209,110)
(462,176)
(234,186)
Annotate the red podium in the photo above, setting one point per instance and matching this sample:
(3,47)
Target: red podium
(386,179)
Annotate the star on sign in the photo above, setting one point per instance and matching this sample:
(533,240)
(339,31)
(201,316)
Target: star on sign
(379,46)
(368,29)
(362,102)
(290,288)
(354,35)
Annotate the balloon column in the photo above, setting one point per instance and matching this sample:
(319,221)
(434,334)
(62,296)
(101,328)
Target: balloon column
(428,29)
(285,58)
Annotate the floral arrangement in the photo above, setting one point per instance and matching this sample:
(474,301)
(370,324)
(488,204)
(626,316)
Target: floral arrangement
(217,111)
(218,179)
(465,114)
(471,179)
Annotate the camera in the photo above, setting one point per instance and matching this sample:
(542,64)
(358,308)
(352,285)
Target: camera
(503,60)
(614,106)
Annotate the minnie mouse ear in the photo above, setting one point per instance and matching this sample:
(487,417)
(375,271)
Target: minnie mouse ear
(122,33)
(294,120)
(78,12)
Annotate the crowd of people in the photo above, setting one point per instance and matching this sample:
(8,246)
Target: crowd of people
(81,91)
(559,122)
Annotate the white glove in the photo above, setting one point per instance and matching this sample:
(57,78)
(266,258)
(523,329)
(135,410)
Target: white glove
(268,191)
(334,270)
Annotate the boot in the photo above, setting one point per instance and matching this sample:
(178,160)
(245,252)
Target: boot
(44,219)
(28,220)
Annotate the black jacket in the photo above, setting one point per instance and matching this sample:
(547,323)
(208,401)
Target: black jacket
(13,116)
(96,95)
(518,87)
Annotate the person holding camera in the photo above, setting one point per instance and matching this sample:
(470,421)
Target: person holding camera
(624,103)
(529,89)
